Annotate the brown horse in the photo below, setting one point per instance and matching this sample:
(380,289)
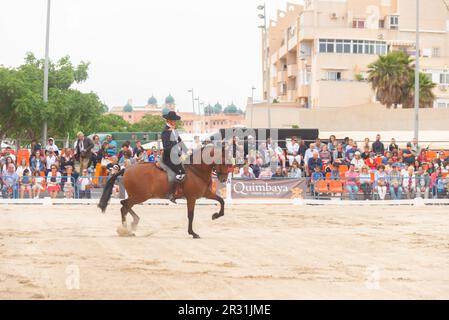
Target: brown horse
(148,181)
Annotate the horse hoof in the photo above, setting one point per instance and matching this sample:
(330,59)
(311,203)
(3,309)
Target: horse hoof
(124,232)
(195,236)
(134,226)
(217,215)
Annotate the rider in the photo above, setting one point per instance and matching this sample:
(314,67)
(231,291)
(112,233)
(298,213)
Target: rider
(173,146)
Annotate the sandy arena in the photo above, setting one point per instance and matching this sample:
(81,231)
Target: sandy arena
(254,252)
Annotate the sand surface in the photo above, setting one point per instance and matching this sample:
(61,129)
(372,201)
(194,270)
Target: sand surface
(254,252)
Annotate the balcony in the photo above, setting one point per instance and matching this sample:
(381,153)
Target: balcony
(292,70)
(282,51)
(282,76)
(292,43)
(303,91)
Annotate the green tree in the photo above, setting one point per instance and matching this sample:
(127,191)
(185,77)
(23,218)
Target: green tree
(426,95)
(109,123)
(389,75)
(22,111)
(149,123)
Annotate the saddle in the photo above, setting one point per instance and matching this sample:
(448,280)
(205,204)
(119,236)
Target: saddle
(171,176)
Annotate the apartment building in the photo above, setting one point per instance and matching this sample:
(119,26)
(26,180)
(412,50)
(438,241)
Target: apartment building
(319,51)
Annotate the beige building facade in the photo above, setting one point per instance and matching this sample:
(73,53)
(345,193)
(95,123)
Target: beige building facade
(319,52)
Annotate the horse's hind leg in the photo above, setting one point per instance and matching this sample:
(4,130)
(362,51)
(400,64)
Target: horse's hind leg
(127,207)
(136,219)
(190,214)
(124,211)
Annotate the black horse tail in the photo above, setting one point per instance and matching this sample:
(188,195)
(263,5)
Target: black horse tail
(107,191)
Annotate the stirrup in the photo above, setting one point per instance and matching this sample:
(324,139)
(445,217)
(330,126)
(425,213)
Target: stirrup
(180,177)
(172,198)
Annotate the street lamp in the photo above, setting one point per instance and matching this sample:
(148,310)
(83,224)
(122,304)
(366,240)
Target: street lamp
(263,15)
(417,74)
(45,89)
(193,100)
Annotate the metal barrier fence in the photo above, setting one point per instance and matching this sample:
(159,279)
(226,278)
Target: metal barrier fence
(273,189)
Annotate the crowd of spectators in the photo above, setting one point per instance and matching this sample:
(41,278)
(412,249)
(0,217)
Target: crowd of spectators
(370,169)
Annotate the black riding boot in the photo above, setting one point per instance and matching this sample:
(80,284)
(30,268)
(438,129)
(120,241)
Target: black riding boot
(171,191)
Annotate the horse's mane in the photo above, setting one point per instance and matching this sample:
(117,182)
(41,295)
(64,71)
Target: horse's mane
(200,150)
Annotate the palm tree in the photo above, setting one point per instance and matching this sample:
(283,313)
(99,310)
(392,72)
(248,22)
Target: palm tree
(389,75)
(426,95)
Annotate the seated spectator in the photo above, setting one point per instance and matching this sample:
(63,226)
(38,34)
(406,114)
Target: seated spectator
(26,183)
(395,181)
(378,147)
(236,173)
(295,171)
(126,160)
(22,167)
(8,161)
(53,181)
(247,173)
(371,162)
(293,151)
(68,159)
(50,160)
(279,173)
(325,155)
(393,146)
(318,144)
(422,157)
(335,173)
(380,182)
(357,161)
(68,182)
(409,183)
(38,183)
(408,155)
(437,183)
(10,180)
(422,183)
(7,153)
(339,155)
(37,162)
(365,182)
(366,154)
(332,144)
(95,150)
(277,155)
(352,180)
(314,162)
(255,169)
(111,147)
(309,154)
(349,155)
(416,148)
(441,160)
(302,148)
(139,147)
(51,146)
(317,175)
(141,156)
(388,157)
(35,146)
(266,174)
(85,185)
(349,145)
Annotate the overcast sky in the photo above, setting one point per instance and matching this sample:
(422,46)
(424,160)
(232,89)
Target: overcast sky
(139,47)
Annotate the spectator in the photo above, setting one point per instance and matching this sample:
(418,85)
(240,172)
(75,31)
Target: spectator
(111,147)
(37,162)
(365,182)
(416,148)
(371,162)
(409,155)
(38,183)
(85,185)
(357,161)
(255,169)
(67,159)
(441,160)
(422,157)
(422,183)
(293,151)
(51,146)
(50,160)
(8,161)
(236,173)
(309,154)
(380,181)
(35,146)
(349,145)
(314,162)
(409,183)
(247,174)
(366,153)
(10,182)
(141,156)
(387,158)
(266,174)
(318,144)
(346,143)
(366,145)
(395,181)
(95,150)
(302,148)
(352,179)
(331,146)
(295,171)
(278,155)
(8,154)
(393,146)
(279,173)
(339,155)
(349,155)
(378,146)
(83,150)
(437,183)
(26,183)
(68,182)
(139,147)
(335,173)
(53,181)
(325,155)
(22,167)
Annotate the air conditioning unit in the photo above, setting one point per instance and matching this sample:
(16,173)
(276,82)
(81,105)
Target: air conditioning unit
(334,16)
(443,87)
(380,36)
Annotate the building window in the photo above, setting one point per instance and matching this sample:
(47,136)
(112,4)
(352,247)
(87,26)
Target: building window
(358,46)
(327,45)
(444,78)
(347,46)
(394,22)
(382,24)
(334,75)
(358,23)
(436,52)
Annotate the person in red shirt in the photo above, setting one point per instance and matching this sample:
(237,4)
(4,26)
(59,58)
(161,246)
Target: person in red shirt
(371,161)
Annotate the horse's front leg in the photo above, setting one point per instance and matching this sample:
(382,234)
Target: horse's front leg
(190,214)
(212,196)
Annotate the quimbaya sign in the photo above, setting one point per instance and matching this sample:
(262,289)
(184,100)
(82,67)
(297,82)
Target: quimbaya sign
(263,189)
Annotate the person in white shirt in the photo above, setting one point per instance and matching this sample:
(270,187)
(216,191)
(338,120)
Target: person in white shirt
(51,146)
(50,159)
(309,154)
(409,182)
(357,161)
(21,168)
(293,151)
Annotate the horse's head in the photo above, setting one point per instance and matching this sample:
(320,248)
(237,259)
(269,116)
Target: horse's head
(219,163)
